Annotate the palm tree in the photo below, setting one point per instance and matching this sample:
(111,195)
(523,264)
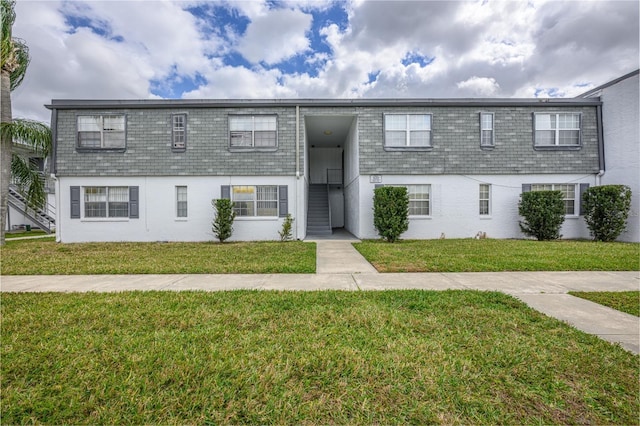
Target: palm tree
(15,60)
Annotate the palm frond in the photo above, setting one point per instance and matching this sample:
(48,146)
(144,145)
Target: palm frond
(14,53)
(34,134)
(20,62)
(8,18)
(30,181)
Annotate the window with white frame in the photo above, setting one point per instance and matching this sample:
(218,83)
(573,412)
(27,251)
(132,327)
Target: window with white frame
(179,131)
(101,131)
(419,199)
(486,129)
(255,200)
(407,130)
(252,131)
(558,129)
(181,201)
(568,194)
(106,201)
(485,199)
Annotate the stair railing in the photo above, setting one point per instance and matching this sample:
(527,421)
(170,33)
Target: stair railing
(334,177)
(39,216)
(329,204)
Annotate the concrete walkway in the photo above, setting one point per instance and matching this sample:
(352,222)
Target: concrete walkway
(341,267)
(338,256)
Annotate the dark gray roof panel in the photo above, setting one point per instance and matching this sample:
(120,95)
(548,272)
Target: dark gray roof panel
(595,91)
(226,103)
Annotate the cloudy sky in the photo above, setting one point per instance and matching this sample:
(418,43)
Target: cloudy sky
(320,49)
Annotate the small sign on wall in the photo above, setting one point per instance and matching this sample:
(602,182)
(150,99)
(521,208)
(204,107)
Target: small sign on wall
(375,179)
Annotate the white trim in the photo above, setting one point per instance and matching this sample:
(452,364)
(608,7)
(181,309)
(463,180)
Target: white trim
(556,130)
(407,130)
(493,129)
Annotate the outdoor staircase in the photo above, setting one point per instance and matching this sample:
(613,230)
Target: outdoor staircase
(318,220)
(40,217)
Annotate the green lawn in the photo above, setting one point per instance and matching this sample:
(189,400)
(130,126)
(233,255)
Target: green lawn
(394,357)
(490,255)
(37,257)
(625,301)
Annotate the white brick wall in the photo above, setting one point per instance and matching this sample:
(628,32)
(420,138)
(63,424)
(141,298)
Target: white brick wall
(620,114)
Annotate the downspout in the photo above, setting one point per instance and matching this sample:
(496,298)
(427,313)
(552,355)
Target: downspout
(297,167)
(600,145)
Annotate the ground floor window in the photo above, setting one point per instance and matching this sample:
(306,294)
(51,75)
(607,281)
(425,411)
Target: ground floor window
(106,201)
(568,194)
(255,200)
(485,199)
(419,199)
(181,201)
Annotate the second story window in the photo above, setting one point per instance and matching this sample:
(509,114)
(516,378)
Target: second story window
(179,131)
(486,129)
(558,129)
(407,130)
(252,131)
(101,131)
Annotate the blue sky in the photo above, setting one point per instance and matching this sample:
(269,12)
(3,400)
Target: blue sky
(320,49)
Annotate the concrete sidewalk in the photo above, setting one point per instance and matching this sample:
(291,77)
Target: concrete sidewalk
(515,283)
(341,267)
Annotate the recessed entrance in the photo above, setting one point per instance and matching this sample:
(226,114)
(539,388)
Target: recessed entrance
(331,143)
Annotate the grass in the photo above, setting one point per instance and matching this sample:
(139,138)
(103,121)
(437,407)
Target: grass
(625,301)
(395,357)
(37,257)
(489,255)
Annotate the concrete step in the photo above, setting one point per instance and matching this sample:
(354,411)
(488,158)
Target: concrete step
(318,233)
(318,224)
(323,216)
(318,229)
(322,219)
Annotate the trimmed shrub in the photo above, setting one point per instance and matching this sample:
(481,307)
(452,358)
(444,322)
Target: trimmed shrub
(391,211)
(606,209)
(222,225)
(285,233)
(543,213)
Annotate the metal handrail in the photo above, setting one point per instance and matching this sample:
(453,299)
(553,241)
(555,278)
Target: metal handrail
(329,204)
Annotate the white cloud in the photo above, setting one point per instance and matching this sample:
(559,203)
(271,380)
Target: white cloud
(239,82)
(164,35)
(276,36)
(476,48)
(482,86)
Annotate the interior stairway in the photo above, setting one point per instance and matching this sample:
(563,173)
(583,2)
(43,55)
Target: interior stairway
(318,222)
(38,216)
